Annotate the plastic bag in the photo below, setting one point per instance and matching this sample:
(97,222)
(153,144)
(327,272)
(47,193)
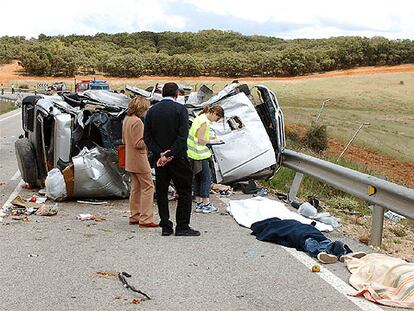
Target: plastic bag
(55,185)
(308,210)
(328,219)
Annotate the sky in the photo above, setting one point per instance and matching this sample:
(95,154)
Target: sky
(288,19)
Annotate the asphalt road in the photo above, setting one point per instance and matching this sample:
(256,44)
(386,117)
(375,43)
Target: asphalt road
(52,263)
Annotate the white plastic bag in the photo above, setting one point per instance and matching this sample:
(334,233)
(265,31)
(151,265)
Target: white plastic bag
(55,185)
(328,219)
(308,210)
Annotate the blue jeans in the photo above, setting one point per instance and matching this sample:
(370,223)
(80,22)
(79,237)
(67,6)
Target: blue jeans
(313,247)
(202,181)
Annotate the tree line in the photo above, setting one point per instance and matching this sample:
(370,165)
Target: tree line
(204,53)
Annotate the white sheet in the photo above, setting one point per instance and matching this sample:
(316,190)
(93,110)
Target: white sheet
(246,212)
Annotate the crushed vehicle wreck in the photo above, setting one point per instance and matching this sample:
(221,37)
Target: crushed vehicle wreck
(253,129)
(79,134)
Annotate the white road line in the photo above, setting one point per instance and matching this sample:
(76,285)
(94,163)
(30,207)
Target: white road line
(334,281)
(13,194)
(13,115)
(16,175)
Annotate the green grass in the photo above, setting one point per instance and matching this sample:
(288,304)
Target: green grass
(377,99)
(6,107)
(337,201)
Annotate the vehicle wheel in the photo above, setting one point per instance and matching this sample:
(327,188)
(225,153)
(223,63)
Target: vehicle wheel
(26,161)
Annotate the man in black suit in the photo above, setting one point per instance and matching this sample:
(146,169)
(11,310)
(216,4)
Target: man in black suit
(165,134)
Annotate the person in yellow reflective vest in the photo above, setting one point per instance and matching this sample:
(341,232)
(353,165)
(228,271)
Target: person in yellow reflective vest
(199,153)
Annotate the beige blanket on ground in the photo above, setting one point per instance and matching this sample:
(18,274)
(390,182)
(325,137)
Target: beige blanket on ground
(383,279)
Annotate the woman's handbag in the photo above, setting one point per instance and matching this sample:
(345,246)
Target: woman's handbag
(121,155)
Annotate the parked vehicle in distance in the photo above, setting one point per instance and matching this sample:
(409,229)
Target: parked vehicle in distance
(59,87)
(85,85)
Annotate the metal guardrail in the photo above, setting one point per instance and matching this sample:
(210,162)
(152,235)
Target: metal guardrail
(384,194)
(7,99)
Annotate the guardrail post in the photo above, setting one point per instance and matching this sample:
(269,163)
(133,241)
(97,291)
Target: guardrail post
(377,225)
(294,189)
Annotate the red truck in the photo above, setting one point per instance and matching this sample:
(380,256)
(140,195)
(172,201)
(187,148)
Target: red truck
(85,85)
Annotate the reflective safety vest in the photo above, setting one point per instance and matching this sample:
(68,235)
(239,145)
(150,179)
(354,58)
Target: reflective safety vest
(196,151)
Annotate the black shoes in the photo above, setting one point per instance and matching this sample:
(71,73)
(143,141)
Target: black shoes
(166,231)
(187,232)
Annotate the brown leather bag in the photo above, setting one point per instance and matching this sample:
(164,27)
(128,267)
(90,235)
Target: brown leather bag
(121,155)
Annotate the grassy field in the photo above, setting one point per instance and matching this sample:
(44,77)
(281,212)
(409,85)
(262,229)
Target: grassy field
(6,107)
(380,100)
(384,100)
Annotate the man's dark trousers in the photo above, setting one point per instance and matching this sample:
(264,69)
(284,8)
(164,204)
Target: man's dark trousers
(180,172)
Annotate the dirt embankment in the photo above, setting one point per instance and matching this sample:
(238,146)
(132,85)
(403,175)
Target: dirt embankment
(400,172)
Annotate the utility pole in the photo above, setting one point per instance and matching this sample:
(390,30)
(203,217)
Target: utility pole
(352,139)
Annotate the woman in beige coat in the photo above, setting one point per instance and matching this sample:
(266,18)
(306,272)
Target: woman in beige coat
(136,163)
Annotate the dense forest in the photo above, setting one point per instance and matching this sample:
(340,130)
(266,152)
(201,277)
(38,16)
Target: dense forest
(207,52)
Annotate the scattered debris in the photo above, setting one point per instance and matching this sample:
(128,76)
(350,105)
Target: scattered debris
(2,215)
(394,217)
(316,268)
(92,202)
(47,211)
(136,301)
(83,217)
(307,210)
(222,190)
(315,202)
(55,185)
(122,277)
(30,211)
(106,274)
(249,187)
(328,219)
(32,255)
(40,200)
(262,192)
(24,204)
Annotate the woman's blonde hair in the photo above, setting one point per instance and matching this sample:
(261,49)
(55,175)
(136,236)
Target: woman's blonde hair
(137,106)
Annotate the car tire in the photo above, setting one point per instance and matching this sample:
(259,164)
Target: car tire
(26,161)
